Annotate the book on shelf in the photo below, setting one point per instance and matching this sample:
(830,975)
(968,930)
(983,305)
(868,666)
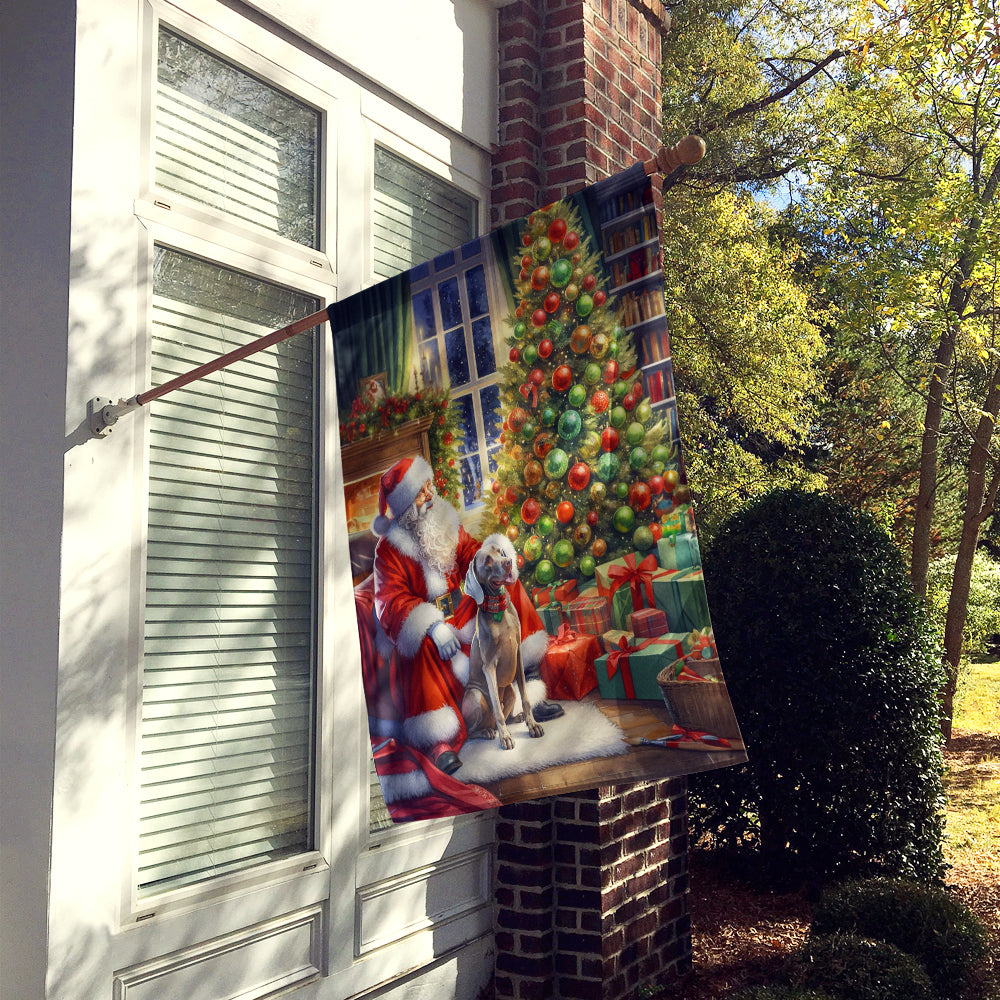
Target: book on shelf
(639,230)
(658,382)
(640,306)
(654,346)
(640,262)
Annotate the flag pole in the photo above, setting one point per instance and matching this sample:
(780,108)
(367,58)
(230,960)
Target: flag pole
(103,414)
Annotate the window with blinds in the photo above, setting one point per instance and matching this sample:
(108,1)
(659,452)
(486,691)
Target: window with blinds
(415,216)
(227,140)
(228,673)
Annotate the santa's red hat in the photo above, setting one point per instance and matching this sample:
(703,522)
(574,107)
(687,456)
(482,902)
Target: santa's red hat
(398,488)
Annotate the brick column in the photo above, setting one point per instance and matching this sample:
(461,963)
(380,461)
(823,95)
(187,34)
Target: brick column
(591,889)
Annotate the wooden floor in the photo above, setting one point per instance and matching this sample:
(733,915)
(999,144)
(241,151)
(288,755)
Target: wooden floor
(636,719)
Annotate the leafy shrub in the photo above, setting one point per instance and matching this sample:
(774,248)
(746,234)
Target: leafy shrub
(833,673)
(779,992)
(924,921)
(857,968)
(983,611)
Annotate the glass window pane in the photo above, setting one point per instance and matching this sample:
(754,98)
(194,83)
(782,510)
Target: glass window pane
(475,285)
(228,669)
(229,140)
(489,399)
(467,420)
(445,260)
(458,361)
(430,363)
(451,304)
(423,314)
(472,481)
(482,344)
(472,249)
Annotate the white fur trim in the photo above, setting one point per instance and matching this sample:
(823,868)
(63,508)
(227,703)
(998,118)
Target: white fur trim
(404,542)
(467,631)
(460,668)
(437,726)
(417,624)
(409,486)
(533,649)
(535,690)
(506,546)
(410,785)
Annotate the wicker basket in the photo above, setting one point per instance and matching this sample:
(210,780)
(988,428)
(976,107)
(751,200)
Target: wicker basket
(699,705)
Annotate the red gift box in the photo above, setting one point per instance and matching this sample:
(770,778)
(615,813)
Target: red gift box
(648,622)
(568,666)
(560,593)
(589,614)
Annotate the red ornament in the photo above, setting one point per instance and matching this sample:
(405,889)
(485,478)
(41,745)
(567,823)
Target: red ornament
(570,240)
(656,530)
(656,485)
(628,401)
(517,419)
(610,373)
(639,496)
(514,354)
(609,439)
(543,444)
(579,476)
(565,512)
(545,348)
(600,401)
(520,561)
(526,261)
(562,378)
(526,240)
(448,437)
(523,274)
(589,284)
(539,317)
(557,230)
(599,298)
(504,517)
(530,510)
(536,377)
(510,495)
(539,278)
(592,518)
(636,389)
(551,303)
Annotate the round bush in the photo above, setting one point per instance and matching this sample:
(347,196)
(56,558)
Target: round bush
(834,674)
(783,993)
(926,922)
(857,968)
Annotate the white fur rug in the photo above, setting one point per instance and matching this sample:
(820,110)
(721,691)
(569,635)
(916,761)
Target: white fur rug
(583,732)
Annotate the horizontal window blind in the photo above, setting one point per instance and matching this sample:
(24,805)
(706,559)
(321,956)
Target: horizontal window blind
(228,140)
(228,656)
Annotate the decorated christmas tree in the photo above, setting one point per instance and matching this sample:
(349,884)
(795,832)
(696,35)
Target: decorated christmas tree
(583,457)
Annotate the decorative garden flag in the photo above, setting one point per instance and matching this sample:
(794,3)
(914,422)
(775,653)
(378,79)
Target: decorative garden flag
(528,584)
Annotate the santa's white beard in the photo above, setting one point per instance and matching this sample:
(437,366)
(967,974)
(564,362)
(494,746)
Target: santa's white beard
(434,527)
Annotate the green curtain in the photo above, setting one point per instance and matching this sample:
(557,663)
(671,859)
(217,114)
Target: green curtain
(372,333)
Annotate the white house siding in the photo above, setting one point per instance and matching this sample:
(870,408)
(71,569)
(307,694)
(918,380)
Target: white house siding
(410,916)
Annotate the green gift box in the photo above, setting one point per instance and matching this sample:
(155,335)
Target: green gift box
(681,593)
(553,615)
(630,671)
(678,551)
(627,583)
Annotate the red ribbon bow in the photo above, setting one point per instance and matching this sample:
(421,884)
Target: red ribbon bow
(530,389)
(638,577)
(564,635)
(619,658)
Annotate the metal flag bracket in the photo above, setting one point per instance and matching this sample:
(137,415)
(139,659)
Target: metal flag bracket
(103,413)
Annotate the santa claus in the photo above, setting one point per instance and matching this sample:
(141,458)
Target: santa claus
(421,559)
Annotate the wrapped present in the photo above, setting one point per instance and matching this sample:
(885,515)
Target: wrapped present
(647,622)
(561,592)
(589,614)
(678,519)
(679,551)
(612,638)
(553,615)
(681,593)
(631,670)
(568,665)
(627,583)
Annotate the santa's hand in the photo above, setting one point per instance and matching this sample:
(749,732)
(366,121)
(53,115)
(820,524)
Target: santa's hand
(445,639)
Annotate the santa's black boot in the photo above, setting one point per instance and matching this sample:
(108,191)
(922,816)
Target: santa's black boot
(543,710)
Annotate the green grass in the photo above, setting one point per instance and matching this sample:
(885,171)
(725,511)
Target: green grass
(977,705)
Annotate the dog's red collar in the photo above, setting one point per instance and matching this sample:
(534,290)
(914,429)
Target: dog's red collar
(495,604)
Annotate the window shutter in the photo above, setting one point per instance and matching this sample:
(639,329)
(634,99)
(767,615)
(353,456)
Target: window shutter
(228,657)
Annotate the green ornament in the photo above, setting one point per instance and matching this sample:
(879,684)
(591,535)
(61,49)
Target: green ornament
(613,350)
(577,395)
(657,468)
(532,548)
(556,463)
(530,354)
(528,431)
(617,416)
(520,330)
(637,458)
(554,329)
(545,572)
(642,538)
(562,553)
(643,411)
(588,564)
(620,389)
(584,304)
(592,373)
(541,248)
(549,416)
(590,444)
(607,466)
(624,520)
(617,332)
(560,273)
(634,433)
(546,525)
(570,424)
(621,490)
(660,453)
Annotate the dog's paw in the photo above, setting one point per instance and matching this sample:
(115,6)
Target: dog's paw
(535,730)
(506,741)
